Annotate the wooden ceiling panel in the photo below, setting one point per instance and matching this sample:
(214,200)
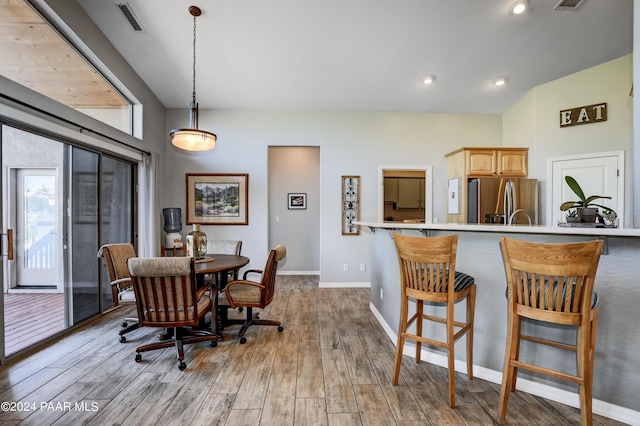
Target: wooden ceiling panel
(34,55)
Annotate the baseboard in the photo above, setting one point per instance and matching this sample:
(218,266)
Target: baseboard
(298,273)
(571,399)
(345,285)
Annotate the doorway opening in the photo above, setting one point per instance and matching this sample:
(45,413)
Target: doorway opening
(405,194)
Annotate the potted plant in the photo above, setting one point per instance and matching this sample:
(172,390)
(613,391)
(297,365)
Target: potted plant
(572,216)
(585,206)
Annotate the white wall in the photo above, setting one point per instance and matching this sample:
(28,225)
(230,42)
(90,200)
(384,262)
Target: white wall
(351,143)
(534,122)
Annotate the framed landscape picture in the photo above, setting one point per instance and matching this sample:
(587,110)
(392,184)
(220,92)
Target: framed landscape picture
(217,199)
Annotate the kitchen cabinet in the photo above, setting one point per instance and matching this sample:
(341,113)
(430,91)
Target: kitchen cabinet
(411,193)
(390,190)
(489,162)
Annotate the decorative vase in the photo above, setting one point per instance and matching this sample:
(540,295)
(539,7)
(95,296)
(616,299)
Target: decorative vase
(172,226)
(197,243)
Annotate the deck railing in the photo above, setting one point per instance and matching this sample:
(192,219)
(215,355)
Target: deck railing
(42,254)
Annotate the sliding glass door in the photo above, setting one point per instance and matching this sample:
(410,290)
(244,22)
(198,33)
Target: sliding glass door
(60,202)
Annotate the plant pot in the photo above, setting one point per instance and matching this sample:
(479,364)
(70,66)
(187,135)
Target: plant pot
(587,214)
(573,219)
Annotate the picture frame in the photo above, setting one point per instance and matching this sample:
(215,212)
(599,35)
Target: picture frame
(217,199)
(350,205)
(297,201)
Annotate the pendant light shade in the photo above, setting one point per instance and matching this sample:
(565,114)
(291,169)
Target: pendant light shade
(192,139)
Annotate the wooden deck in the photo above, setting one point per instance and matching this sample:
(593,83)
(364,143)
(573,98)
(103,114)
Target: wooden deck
(31,317)
(331,365)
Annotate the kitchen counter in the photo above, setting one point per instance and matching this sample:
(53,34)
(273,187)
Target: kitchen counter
(617,372)
(505,229)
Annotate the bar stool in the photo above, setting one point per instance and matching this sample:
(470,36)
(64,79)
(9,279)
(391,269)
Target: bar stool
(551,283)
(427,267)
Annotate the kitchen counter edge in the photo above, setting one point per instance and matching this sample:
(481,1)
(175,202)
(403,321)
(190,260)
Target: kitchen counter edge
(505,229)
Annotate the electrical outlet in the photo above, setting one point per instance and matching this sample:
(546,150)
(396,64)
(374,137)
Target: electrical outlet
(345,267)
(363,267)
(381,294)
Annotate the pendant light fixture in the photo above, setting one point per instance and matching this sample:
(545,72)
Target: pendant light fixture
(192,139)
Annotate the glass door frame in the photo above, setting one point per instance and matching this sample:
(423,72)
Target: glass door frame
(65,174)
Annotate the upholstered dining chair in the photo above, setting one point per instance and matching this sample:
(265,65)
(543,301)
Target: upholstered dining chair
(168,296)
(254,294)
(225,247)
(552,284)
(116,256)
(428,274)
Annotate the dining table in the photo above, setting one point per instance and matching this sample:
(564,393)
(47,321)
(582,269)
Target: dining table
(221,265)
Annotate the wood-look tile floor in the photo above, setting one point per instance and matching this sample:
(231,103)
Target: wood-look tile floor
(332,365)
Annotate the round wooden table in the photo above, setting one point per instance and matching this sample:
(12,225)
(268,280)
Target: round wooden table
(219,264)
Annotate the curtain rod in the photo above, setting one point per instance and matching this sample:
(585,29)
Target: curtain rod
(82,128)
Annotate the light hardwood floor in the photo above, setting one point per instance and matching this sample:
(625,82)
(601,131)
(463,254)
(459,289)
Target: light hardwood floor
(332,365)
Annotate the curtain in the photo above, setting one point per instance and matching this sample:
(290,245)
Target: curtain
(148,217)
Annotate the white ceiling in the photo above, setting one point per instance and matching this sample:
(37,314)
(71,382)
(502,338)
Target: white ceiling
(363,55)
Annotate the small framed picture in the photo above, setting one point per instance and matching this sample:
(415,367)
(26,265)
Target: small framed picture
(297,201)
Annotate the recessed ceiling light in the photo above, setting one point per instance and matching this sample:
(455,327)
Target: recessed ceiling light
(519,7)
(428,79)
(500,81)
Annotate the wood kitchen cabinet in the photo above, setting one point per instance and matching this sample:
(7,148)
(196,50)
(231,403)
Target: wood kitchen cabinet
(489,162)
(390,190)
(410,193)
(406,193)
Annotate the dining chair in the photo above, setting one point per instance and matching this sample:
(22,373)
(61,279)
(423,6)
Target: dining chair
(116,256)
(225,247)
(551,284)
(428,274)
(251,294)
(168,296)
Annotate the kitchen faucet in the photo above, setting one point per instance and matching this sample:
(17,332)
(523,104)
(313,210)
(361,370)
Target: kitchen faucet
(519,211)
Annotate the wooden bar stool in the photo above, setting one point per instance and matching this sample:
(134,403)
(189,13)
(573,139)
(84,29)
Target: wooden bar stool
(427,267)
(551,283)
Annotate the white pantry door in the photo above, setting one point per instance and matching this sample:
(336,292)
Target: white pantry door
(597,174)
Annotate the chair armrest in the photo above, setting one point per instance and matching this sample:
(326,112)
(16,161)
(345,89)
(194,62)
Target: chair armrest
(251,271)
(241,283)
(122,283)
(202,290)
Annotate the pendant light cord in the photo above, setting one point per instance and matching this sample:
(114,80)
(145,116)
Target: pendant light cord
(194,59)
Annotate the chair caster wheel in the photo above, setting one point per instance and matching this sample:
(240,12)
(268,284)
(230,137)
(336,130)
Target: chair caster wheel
(124,324)
(182,365)
(138,357)
(214,343)
(243,340)
(280,328)
(123,339)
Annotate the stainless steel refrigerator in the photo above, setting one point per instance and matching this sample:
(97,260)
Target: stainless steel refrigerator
(496,201)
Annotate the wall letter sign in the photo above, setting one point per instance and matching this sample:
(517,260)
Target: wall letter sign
(583,115)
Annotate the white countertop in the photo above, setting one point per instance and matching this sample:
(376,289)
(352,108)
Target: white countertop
(506,229)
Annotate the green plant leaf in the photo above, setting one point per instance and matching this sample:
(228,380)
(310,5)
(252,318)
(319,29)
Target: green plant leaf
(595,197)
(575,188)
(570,204)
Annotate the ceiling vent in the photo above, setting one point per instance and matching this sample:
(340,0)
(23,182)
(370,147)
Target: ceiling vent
(128,13)
(569,4)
